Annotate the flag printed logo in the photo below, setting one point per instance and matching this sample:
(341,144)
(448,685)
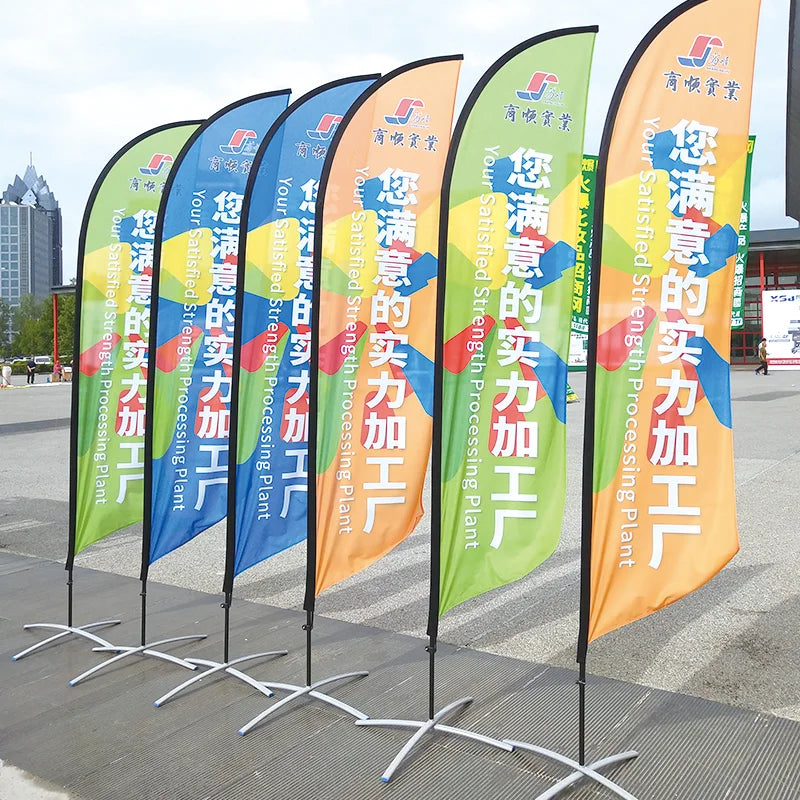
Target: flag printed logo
(403,112)
(326,127)
(157,161)
(537,86)
(242,141)
(700,51)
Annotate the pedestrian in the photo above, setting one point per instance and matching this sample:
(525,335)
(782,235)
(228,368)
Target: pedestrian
(31,365)
(762,356)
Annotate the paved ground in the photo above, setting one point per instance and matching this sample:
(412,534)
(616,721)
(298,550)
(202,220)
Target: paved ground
(735,640)
(102,739)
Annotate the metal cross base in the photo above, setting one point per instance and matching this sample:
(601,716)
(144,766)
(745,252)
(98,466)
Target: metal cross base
(431,725)
(311,691)
(581,771)
(142,650)
(66,630)
(223,666)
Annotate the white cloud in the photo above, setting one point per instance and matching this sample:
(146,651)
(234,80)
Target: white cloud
(81,79)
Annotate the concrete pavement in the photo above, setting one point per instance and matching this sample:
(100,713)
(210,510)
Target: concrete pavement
(734,641)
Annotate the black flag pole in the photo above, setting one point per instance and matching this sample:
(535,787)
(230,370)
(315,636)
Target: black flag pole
(587,485)
(311,687)
(793,116)
(70,629)
(144,648)
(228,666)
(435,718)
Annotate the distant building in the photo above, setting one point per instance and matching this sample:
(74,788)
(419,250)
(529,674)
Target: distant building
(30,239)
(773,262)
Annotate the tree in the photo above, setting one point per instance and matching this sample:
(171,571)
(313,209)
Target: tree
(66,325)
(33,321)
(5,327)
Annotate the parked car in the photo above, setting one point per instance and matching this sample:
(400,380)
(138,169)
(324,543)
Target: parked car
(42,360)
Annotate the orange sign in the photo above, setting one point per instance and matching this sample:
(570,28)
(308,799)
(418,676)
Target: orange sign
(664,514)
(380,218)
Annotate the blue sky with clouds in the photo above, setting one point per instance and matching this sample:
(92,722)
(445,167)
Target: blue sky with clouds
(81,79)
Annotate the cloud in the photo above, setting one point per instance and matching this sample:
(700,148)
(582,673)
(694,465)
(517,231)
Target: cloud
(80,80)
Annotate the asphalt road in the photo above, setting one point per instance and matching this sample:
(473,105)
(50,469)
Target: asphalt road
(736,640)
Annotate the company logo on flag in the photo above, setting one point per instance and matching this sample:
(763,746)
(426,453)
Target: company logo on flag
(157,161)
(404,111)
(243,141)
(537,86)
(326,127)
(700,51)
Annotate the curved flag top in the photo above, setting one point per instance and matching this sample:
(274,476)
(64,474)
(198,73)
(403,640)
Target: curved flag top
(110,375)
(268,496)
(512,197)
(191,365)
(664,515)
(377,256)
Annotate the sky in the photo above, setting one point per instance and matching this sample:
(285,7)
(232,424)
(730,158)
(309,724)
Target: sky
(82,78)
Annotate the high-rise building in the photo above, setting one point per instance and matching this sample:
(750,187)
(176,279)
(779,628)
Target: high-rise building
(30,239)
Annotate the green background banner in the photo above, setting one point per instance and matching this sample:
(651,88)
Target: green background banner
(116,264)
(737,308)
(511,248)
(583,258)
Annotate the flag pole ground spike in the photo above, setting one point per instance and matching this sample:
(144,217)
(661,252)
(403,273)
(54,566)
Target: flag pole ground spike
(65,630)
(144,650)
(223,666)
(581,771)
(429,726)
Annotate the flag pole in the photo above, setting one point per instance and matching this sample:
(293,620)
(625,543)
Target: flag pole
(436,718)
(68,630)
(144,648)
(228,666)
(587,486)
(309,601)
(311,688)
(589,428)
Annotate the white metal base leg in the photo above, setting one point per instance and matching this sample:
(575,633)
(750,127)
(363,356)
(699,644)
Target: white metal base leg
(300,691)
(66,630)
(223,666)
(581,771)
(144,650)
(426,727)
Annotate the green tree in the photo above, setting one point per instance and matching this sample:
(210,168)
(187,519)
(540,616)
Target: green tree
(5,327)
(66,326)
(33,322)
